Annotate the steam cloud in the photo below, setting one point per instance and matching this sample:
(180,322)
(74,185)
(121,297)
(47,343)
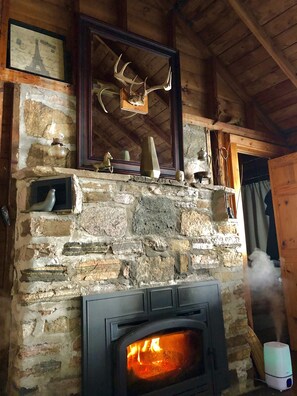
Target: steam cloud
(263,278)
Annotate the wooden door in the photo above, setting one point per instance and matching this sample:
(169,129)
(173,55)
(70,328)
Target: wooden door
(283,179)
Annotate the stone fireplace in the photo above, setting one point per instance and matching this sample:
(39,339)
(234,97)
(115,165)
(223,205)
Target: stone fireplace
(123,233)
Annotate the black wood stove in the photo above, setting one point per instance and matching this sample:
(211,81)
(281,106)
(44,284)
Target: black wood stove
(163,341)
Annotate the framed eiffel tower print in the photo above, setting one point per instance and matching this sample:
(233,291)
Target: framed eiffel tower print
(36,51)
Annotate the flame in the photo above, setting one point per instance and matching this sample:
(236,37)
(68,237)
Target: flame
(147,359)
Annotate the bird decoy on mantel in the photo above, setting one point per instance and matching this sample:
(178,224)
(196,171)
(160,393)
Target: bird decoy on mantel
(46,205)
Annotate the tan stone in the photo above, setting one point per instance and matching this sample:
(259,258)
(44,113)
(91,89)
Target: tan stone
(179,245)
(51,227)
(162,269)
(61,325)
(239,326)
(228,227)
(195,224)
(104,220)
(39,118)
(227,275)
(98,270)
(204,204)
(93,196)
(239,353)
(208,259)
(232,258)
(38,349)
(183,264)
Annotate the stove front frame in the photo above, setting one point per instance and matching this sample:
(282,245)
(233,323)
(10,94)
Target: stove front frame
(108,317)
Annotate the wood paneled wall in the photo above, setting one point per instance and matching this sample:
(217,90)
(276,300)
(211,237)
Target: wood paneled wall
(149,19)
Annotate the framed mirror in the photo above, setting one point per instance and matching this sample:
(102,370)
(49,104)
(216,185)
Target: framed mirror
(128,88)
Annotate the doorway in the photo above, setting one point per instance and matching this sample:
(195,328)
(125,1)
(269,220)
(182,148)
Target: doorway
(263,271)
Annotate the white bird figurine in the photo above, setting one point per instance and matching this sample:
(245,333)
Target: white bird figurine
(46,205)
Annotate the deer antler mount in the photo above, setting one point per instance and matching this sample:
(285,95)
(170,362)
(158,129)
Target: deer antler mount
(134,94)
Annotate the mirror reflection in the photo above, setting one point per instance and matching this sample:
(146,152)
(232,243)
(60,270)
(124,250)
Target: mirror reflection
(132,92)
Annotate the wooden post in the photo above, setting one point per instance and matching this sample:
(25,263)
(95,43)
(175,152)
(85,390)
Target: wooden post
(4,13)
(212,88)
(123,14)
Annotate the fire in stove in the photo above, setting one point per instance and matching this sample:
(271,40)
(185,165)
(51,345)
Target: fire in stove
(163,356)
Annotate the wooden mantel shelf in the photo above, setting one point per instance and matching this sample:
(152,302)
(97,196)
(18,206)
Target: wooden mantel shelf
(47,172)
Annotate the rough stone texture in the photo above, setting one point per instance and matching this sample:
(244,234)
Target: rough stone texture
(152,270)
(107,220)
(219,207)
(209,260)
(48,274)
(43,115)
(127,247)
(81,248)
(182,265)
(50,227)
(130,232)
(194,224)
(194,140)
(94,270)
(40,118)
(155,215)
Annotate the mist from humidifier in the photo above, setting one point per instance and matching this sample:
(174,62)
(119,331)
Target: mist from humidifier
(263,280)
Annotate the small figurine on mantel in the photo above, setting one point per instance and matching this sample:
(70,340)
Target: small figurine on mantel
(46,205)
(105,164)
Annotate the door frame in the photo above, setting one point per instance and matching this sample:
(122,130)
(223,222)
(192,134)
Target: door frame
(243,145)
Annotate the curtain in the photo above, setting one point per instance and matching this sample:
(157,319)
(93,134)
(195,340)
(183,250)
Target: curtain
(255,219)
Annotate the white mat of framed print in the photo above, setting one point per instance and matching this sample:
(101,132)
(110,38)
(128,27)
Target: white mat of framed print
(36,51)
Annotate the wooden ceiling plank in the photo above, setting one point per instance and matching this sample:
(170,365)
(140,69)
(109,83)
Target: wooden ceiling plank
(249,20)
(194,8)
(223,72)
(282,101)
(269,9)
(228,39)
(246,46)
(226,24)
(281,22)
(273,91)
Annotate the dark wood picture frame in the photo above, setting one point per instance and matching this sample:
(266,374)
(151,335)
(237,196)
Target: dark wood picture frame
(36,51)
(86,157)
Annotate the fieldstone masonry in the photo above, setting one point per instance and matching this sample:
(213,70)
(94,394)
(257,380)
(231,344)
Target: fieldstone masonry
(123,232)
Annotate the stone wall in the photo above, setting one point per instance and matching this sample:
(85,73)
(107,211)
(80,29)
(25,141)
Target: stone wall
(44,115)
(123,232)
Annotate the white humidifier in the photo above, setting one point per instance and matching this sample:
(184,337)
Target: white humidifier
(278,366)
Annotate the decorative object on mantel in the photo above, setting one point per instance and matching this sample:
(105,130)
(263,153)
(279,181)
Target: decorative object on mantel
(105,164)
(57,149)
(180,176)
(149,164)
(46,205)
(63,187)
(204,157)
(125,155)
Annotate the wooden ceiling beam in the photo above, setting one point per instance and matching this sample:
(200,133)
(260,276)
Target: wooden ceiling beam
(259,32)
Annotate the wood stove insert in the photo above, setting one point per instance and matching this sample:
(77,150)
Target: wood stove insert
(163,341)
